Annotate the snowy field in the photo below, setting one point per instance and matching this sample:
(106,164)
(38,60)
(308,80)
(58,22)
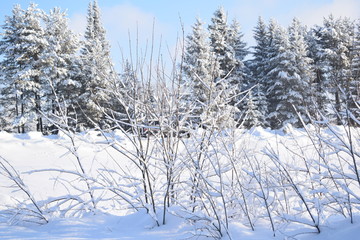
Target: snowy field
(50,171)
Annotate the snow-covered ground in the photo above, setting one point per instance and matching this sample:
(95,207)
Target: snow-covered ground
(45,165)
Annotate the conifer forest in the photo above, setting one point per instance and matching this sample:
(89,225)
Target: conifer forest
(221,133)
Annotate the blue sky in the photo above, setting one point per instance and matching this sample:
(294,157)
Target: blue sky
(123,16)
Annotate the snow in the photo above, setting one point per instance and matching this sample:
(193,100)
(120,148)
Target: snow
(33,154)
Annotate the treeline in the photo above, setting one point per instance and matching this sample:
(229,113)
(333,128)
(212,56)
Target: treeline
(47,72)
(293,73)
(291,76)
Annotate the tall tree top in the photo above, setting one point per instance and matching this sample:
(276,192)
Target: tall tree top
(218,28)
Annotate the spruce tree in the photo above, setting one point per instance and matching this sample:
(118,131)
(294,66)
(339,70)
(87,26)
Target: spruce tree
(287,89)
(11,50)
(290,75)
(319,83)
(223,41)
(34,43)
(303,98)
(26,31)
(252,114)
(336,42)
(353,102)
(239,51)
(125,96)
(258,66)
(240,75)
(96,69)
(199,71)
(226,45)
(61,88)
(271,51)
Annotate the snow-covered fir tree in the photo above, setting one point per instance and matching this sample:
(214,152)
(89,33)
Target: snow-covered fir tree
(304,95)
(319,84)
(356,53)
(288,87)
(11,50)
(61,87)
(23,46)
(224,45)
(125,96)
(252,115)
(34,43)
(239,77)
(258,66)
(270,51)
(354,87)
(335,39)
(96,69)
(220,44)
(200,71)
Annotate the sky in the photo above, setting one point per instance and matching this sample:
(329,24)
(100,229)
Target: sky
(124,18)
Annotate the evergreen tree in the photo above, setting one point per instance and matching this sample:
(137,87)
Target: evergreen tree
(96,69)
(125,96)
(354,86)
(34,43)
(258,66)
(356,54)
(239,51)
(303,71)
(226,45)
(26,30)
(319,83)
(239,77)
(336,42)
(219,32)
(11,50)
(59,72)
(288,87)
(252,116)
(271,51)
(199,71)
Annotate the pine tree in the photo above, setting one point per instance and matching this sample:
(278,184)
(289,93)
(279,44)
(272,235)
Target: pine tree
(199,71)
(125,96)
(220,44)
(287,89)
(336,40)
(239,77)
(354,86)
(96,69)
(303,71)
(11,50)
(223,43)
(271,51)
(239,51)
(319,83)
(58,74)
(252,116)
(28,33)
(258,66)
